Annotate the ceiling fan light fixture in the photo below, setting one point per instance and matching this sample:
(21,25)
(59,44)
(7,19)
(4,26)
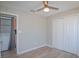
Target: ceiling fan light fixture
(46,9)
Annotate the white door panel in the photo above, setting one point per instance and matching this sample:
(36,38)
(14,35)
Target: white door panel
(65,34)
(58,33)
(70,34)
(77,35)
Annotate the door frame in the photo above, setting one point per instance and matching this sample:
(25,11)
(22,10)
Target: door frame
(17,36)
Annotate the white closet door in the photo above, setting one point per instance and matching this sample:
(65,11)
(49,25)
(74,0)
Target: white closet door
(65,34)
(78,35)
(70,34)
(57,33)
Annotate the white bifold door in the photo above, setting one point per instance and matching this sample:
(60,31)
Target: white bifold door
(65,33)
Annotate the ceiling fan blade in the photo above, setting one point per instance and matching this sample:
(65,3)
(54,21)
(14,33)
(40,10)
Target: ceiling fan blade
(53,8)
(45,3)
(37,10)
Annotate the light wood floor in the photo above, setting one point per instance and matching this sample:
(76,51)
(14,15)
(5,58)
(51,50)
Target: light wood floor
(44,52)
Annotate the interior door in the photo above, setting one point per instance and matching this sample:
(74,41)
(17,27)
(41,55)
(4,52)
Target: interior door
(58,33)
(70,34)
(65,34)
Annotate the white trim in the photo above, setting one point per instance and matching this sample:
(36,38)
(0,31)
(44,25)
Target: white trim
(28,50)
(48,45)
(8,13)
(17,39)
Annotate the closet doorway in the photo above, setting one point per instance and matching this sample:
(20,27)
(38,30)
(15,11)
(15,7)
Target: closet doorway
(7,34)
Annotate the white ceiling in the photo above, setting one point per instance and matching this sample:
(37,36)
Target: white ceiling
(26,6)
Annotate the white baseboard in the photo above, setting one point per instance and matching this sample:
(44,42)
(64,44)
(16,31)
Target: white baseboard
(25,51)
(28,50)
(48,45)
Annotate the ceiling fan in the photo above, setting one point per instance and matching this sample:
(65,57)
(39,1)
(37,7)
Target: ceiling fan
(45,8)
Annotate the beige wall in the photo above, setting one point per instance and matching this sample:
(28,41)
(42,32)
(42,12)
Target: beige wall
(31,30)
